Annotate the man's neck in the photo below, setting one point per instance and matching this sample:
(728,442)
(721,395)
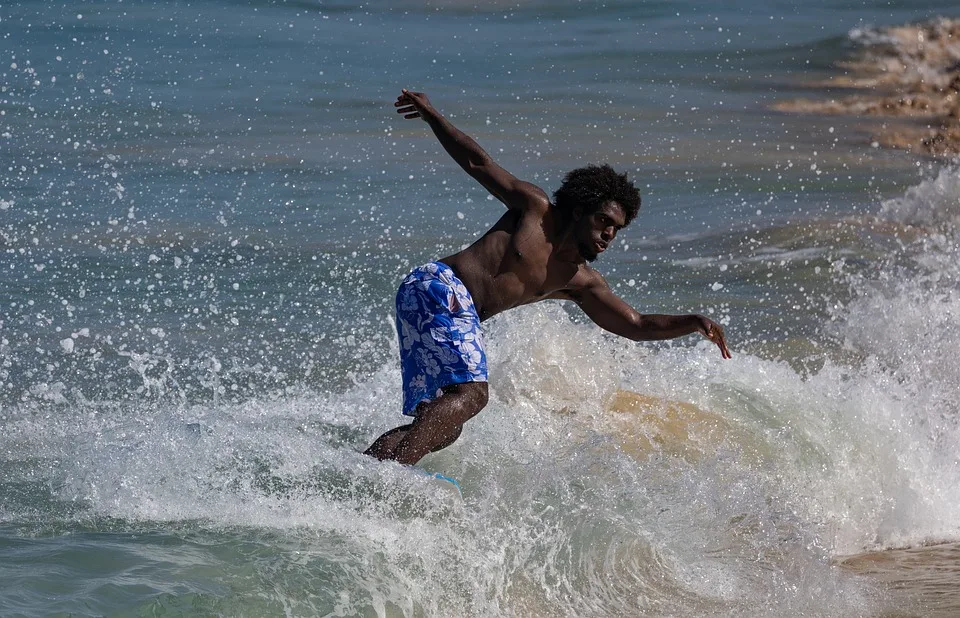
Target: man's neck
(565,247)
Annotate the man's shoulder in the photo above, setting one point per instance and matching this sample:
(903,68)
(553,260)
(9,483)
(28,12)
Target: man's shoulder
(531,197)
(586,279)
(589,277)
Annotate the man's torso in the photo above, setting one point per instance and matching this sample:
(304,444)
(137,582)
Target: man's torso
(515,263)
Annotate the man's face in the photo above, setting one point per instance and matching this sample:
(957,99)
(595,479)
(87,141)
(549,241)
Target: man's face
(597,230)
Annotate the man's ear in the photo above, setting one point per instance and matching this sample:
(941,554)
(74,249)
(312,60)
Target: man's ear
(577,213)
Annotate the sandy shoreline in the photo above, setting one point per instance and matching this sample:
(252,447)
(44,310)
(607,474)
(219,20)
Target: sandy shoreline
(915,581)
(909,74)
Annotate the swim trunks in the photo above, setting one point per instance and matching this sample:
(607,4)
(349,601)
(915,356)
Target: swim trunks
(440,338)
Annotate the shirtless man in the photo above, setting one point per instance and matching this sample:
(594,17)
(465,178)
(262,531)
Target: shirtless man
(537,250)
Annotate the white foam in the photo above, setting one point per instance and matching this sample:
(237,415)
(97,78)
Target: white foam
(905,319)
(933,202)
(559,514)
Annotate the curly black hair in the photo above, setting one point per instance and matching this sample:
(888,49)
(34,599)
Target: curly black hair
(593,186)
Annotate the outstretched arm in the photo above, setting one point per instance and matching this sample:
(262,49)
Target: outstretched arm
(468,154)
(611,313)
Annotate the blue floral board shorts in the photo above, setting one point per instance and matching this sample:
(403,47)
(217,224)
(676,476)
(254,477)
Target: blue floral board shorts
(440,338)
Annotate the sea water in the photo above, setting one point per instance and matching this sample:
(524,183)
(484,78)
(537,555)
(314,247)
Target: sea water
(206,207)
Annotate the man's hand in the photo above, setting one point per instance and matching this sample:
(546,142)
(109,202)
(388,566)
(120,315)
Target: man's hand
(470,156)
(714,332)
(413,104)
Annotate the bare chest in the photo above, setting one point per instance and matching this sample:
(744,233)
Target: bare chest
(531,266)
(513,264)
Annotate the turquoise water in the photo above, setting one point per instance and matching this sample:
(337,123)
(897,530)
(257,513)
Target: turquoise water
(205,209)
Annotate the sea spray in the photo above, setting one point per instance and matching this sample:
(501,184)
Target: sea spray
(764,476)
(558,514)
(904,318)
(199,245)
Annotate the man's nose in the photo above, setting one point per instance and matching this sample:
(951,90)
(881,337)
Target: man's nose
(609,233)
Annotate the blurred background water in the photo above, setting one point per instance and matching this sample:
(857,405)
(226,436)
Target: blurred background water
(205,210)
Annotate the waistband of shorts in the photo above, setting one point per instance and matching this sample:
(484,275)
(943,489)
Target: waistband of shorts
(444,272)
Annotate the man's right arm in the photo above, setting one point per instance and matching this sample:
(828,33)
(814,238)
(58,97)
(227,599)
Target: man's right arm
(468,154)
(611,313)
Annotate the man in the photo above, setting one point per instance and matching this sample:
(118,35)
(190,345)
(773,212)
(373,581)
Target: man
(537,250)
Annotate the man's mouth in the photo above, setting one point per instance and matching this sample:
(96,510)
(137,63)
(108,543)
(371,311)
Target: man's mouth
(601,247)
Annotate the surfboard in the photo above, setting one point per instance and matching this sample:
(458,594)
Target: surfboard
(442,481)
(646,424)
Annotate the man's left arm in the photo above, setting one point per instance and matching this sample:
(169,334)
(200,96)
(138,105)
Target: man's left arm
(611,313)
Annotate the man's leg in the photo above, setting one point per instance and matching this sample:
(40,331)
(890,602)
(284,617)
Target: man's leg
(387,443)
(384,446)
(437,426)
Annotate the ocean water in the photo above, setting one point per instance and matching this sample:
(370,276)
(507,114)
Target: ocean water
(206,207)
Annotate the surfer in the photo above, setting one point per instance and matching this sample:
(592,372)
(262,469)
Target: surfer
(537,250)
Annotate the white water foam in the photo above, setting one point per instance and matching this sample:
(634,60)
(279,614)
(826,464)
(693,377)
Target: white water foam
(560,516)
(905,319)
(571,508)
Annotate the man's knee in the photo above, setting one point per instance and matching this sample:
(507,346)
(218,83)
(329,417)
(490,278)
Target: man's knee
(473,396)
(459,403)
(449,440)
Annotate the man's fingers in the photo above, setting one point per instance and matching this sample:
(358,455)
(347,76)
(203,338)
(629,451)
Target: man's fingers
(409,104)
(411,98)
(408,96)
(714,333)
(724,350)
(406,106)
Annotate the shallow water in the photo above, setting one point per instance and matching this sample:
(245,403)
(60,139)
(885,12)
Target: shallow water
(205,211)
(916,581)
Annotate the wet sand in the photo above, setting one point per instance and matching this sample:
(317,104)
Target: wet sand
(908,74)
(914,581)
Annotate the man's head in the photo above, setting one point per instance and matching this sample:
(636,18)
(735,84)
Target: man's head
(600,202)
